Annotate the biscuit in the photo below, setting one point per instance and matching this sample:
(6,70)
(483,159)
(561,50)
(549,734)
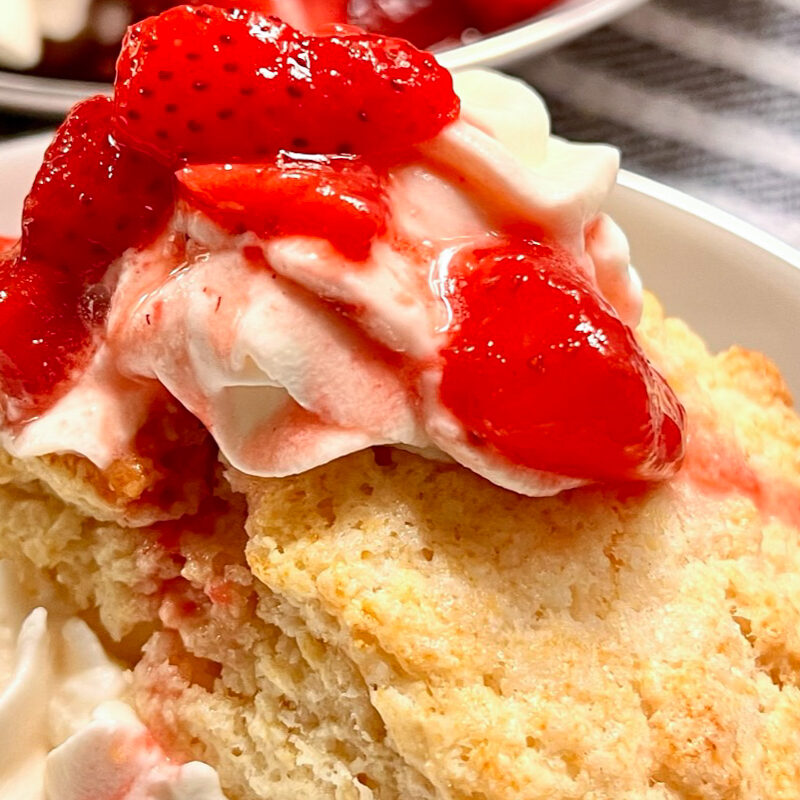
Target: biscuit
(388,627)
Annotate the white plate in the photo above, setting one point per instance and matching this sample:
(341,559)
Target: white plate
(566,20)
(731,282)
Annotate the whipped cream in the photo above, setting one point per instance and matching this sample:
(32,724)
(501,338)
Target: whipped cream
(59,689)
(285,383)
(115,757)
(25,24)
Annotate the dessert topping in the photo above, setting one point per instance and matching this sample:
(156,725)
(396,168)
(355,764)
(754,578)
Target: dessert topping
(92,198)
(64,732)
(209,85)
(212,85)
(42,331)
(313,153)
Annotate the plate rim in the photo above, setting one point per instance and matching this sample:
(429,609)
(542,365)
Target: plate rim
(707,212)
(512,44)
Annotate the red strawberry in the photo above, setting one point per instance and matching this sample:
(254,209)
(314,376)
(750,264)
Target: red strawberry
(207,85)
(148,8)
(338,199)
(43,335)
(424,22)
(540,369)
(317,13)
(92,197)
(491,16)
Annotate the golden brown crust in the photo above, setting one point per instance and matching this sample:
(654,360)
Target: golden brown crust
(166,475)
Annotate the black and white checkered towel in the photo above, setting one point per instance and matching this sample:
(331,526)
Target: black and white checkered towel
(700,94)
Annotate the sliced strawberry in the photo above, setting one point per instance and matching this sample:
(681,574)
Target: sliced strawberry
(207,85)
(491,16)
(317,13)
(43,335)
(540,369)
(338,199)
(6,243)
(92,197)
(424,22)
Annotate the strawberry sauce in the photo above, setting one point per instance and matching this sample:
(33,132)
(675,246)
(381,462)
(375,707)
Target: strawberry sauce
(719,467)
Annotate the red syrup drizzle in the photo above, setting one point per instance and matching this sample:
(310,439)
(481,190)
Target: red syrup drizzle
(719,467)
(166,547)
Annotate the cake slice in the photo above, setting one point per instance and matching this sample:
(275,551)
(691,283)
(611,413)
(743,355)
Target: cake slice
(351,454)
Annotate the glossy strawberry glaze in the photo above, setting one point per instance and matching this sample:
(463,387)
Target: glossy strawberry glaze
(534,371)
(719,467)
(180,98)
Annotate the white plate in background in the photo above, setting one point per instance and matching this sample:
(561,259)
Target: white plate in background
(557,25)
(564,21)
(733,283)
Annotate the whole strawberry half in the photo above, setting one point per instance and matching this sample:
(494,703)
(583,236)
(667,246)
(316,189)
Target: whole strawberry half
(540,369)
(208,85)
(337,199)
(92,197)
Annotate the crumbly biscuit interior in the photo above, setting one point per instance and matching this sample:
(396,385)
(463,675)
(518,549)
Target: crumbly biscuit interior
(387,627)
